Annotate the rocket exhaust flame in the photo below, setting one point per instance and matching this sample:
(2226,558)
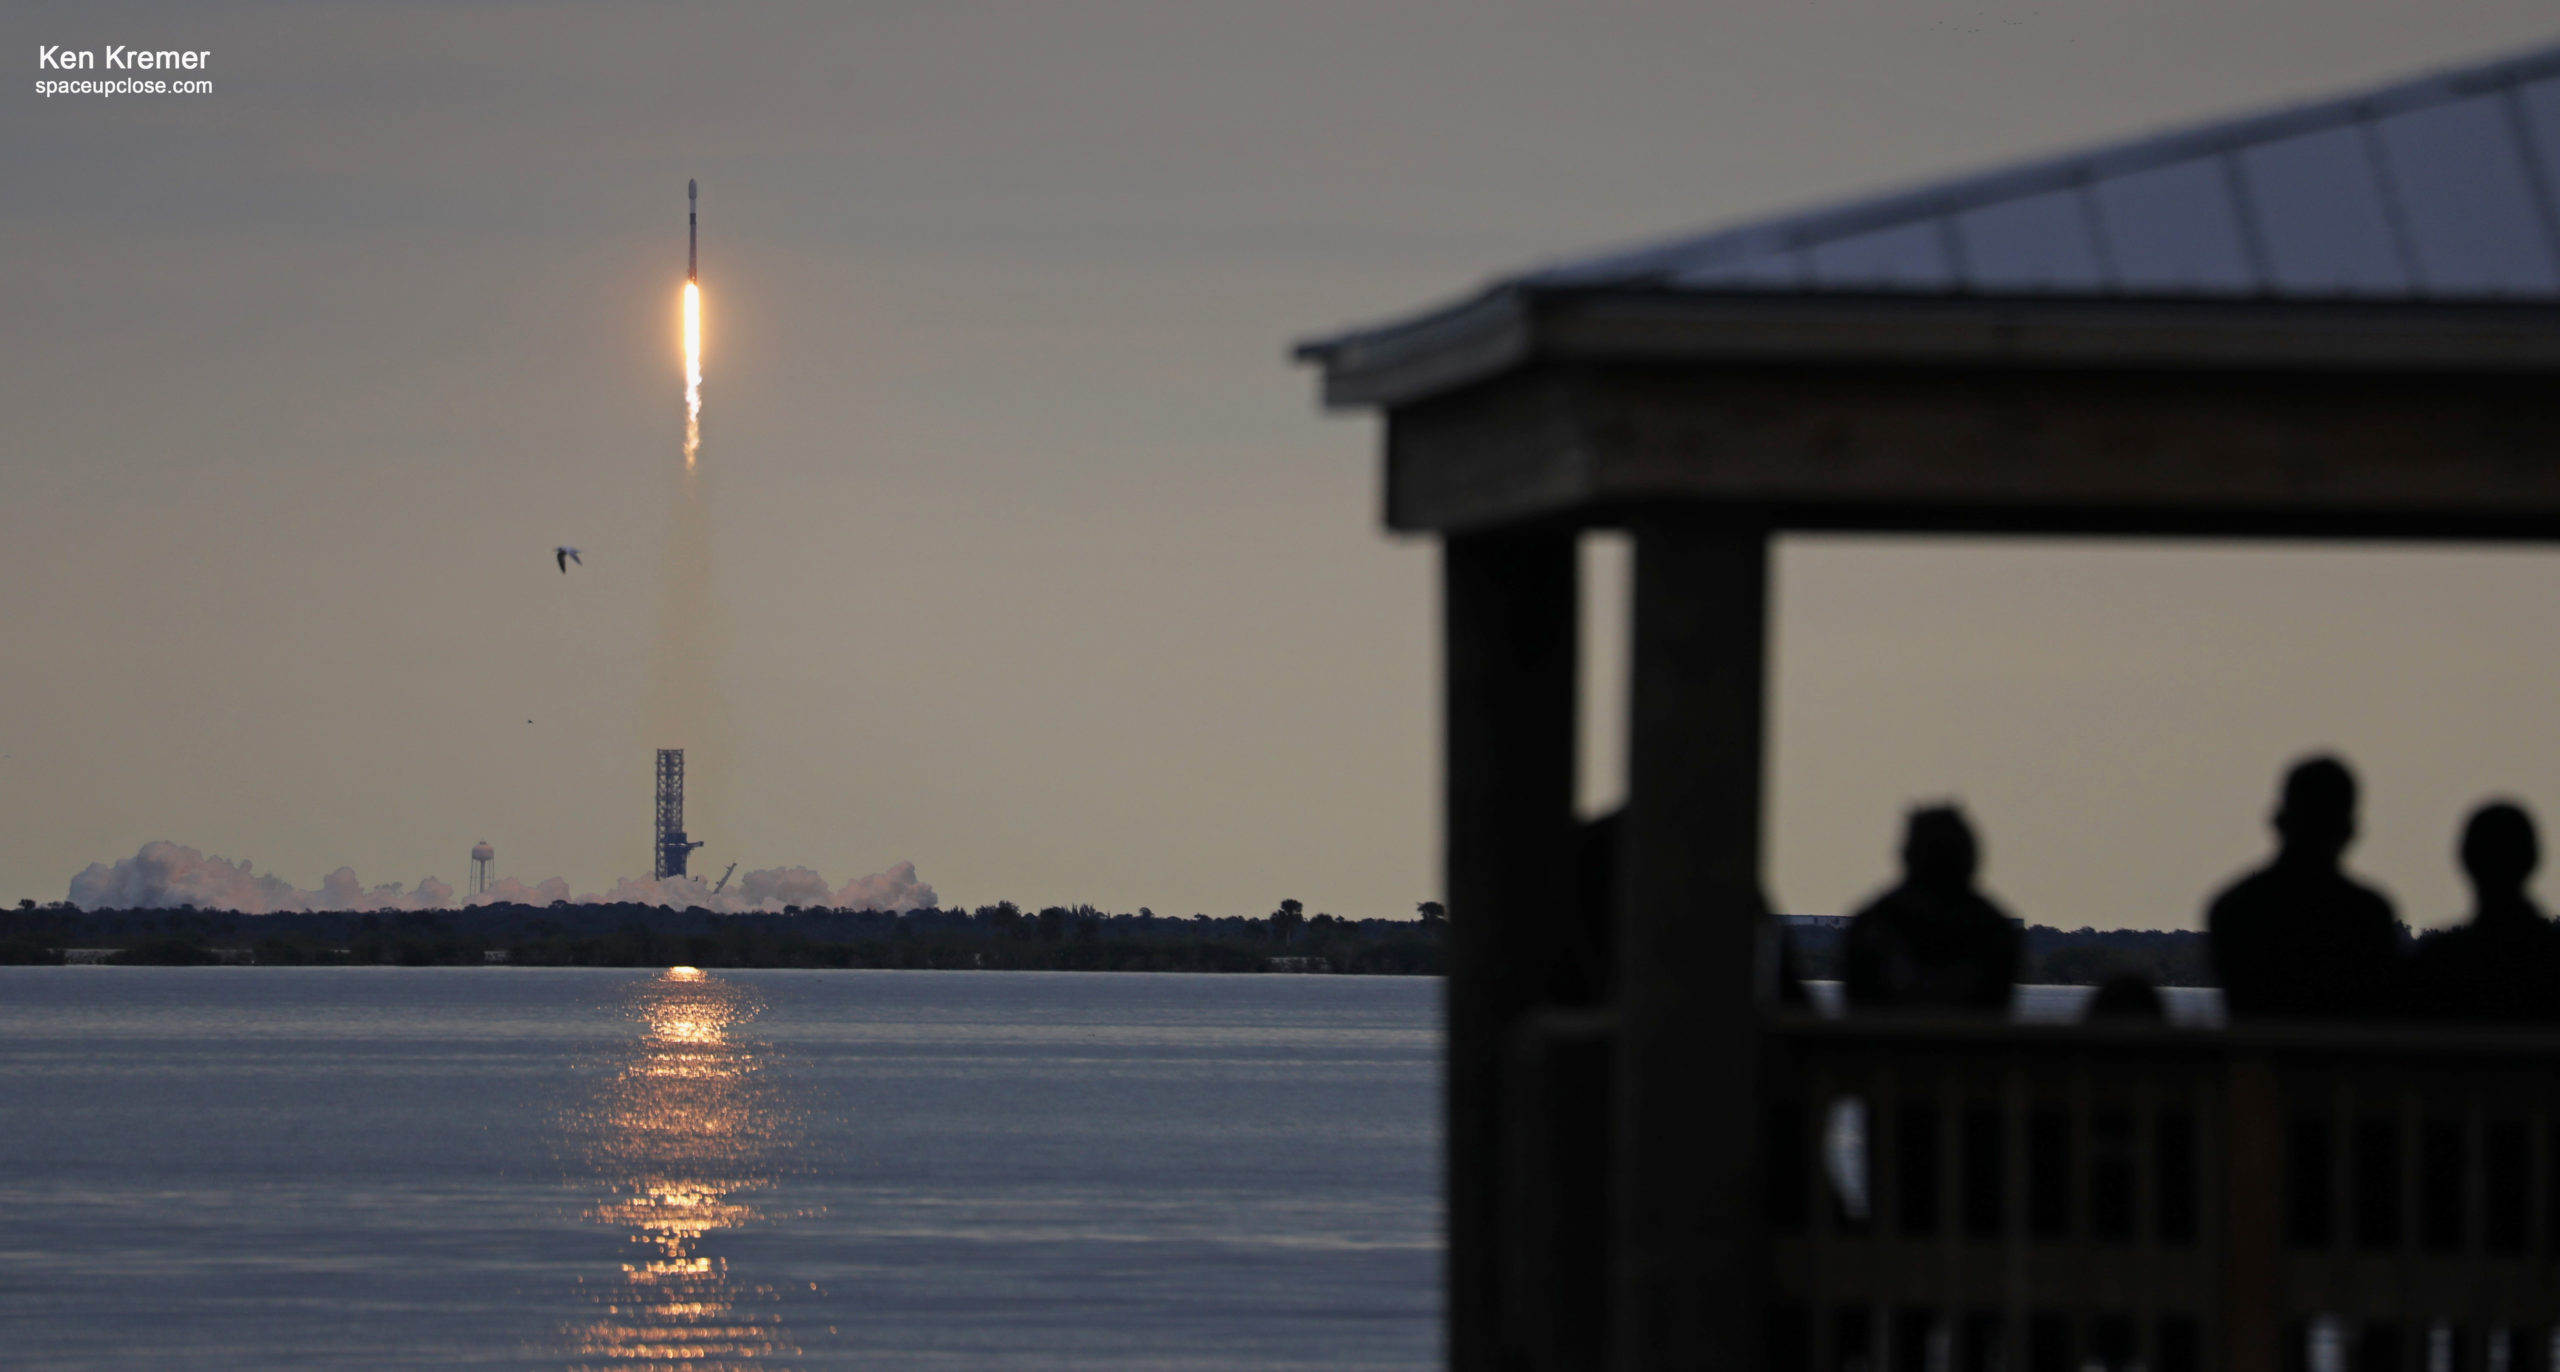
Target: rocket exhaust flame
(692,372)
(692,334)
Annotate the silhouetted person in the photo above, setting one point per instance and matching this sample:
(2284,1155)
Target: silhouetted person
(1933,940)
(2127,998)
(2299,937)
(2504,966)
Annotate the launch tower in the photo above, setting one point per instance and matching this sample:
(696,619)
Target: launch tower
(673,852)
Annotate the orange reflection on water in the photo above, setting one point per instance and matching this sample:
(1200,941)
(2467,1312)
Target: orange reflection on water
(683,1132)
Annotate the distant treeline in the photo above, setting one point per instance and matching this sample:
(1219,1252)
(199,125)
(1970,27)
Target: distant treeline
(2055,957)
(991,937)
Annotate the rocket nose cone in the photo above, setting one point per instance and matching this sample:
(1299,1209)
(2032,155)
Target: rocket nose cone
(689,192)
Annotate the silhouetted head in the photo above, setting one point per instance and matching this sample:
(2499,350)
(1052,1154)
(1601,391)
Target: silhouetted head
(2317,817)
(2128,996)
(2499,849)
(1938,848)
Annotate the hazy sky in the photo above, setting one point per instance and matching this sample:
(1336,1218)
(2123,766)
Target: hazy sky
(1036,564)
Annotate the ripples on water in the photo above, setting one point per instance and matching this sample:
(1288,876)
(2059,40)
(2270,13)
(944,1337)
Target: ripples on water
(535,1170)
(685,1132)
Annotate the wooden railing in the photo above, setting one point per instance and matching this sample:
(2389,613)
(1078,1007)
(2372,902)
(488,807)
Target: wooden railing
(1984,1197)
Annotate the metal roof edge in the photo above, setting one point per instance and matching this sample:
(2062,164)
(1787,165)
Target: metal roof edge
(2052,172)
(2249,333)
(1442,348)
(1494,332)
(1472,337)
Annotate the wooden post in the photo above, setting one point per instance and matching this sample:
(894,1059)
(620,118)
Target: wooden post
(1509,607)
(1556,1199)
(2253,1239)
(1689,1264)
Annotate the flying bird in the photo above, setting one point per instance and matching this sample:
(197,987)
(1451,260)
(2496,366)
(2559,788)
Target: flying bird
(568,555)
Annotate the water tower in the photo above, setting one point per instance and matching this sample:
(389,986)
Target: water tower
(482,855)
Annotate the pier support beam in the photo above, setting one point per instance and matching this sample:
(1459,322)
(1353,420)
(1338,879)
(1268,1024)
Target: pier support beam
(1688,1279)
(1509,610)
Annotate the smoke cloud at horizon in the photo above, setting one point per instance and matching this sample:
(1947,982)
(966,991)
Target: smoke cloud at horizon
(166,876)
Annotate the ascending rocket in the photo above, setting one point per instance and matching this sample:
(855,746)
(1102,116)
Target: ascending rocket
(689,196)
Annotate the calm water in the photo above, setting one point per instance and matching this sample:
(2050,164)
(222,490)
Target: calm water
(349,1167)
(2193,1006)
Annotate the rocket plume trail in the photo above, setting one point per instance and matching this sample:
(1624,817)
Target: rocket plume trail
(692,372)
(684,696)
